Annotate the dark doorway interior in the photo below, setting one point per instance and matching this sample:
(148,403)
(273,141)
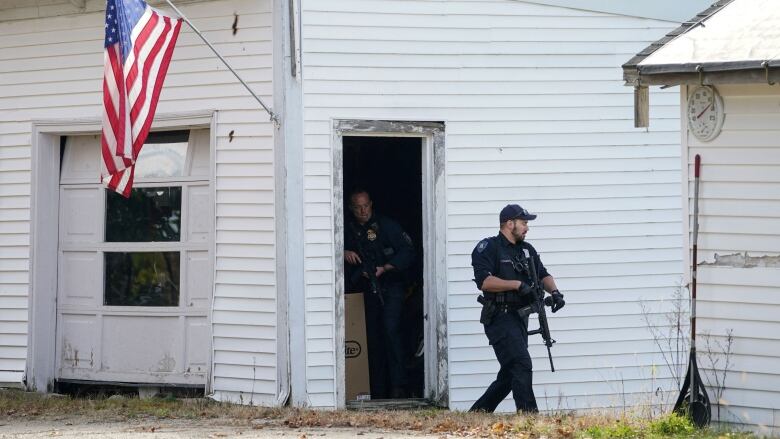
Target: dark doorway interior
(390,169)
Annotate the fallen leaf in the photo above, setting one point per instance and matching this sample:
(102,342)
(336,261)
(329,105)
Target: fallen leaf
(498,428)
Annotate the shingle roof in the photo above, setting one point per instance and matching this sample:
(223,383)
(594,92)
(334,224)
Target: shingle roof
(630,68)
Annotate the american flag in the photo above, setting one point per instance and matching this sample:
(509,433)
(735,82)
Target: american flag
(139,45)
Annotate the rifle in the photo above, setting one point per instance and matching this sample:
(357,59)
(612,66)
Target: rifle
(368,268)
(537,306)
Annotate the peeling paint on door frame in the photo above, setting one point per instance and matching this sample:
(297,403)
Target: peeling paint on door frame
(434,233)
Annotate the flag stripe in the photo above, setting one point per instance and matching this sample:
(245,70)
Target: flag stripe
(138,93)
(138,57)
(112,104)
(156,74)
(113,81)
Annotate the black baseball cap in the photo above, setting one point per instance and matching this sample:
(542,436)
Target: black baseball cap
(514,211)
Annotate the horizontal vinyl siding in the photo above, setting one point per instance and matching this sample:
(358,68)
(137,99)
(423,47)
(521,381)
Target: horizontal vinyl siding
(14,248)
(16,10)
(535,112)
(739,210)
(52,69)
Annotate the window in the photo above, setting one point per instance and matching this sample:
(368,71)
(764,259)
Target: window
(142,278)
(164,155)
(147,272)
(149,215)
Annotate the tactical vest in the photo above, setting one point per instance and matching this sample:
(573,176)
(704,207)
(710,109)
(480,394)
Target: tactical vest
(375,241)
(372,240)
(513,265)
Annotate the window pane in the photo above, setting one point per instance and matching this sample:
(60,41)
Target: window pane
(149,215)
(141,279)
(164,154)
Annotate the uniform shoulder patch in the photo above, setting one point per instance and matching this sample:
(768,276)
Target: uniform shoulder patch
(482,245)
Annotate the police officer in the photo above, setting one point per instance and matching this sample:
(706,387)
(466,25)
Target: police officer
(375,242)
(502,273)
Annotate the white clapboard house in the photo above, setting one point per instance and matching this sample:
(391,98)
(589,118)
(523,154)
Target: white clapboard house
(226,272)
(726,64)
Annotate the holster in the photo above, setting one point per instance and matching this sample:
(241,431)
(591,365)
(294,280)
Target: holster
(489,309)
(525,311)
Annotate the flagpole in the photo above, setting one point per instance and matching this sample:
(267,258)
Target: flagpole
(274,117)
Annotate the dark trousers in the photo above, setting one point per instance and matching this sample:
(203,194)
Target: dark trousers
(508,334)
(387,374)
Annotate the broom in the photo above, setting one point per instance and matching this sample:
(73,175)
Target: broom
(693,400)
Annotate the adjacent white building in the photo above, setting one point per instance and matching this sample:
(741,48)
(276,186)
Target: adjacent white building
(55,323)
(732,54)
(495,101)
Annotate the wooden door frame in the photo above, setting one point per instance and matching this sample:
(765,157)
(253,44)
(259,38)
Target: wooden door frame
(434,228)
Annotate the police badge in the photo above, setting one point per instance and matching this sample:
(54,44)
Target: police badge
(371,235)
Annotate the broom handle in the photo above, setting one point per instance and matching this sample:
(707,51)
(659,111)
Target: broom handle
(694,261)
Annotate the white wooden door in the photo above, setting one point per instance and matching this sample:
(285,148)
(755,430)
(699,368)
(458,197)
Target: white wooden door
(135,275)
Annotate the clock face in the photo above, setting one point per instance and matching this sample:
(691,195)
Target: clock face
(705,113)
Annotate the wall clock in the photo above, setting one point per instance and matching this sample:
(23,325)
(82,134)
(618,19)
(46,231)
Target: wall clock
(705,113)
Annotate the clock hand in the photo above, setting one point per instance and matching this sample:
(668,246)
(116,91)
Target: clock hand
(704,110)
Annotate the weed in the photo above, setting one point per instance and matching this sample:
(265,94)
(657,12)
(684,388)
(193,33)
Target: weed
(672,340)
(672,425)
(618,430)
(715,351)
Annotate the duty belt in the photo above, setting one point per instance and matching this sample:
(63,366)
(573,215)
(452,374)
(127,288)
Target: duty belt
(504,298)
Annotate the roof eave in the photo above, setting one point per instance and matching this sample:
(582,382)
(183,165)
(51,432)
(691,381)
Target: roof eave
(629,68)
(739,72)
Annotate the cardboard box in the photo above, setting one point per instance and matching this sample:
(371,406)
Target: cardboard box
(355,348)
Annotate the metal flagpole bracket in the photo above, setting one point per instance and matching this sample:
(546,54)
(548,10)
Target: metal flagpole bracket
(273,116)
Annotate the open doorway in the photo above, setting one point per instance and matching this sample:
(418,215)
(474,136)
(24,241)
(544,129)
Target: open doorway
(401,163)
(389,171)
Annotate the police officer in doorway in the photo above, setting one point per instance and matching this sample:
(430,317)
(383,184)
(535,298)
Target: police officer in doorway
(378,253)
(502,272)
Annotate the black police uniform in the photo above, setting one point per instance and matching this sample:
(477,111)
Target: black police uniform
(506,330)
(386,243)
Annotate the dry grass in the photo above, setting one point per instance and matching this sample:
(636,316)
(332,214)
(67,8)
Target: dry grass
(18,405)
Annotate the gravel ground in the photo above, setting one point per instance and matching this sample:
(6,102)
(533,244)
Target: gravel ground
(177,428)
